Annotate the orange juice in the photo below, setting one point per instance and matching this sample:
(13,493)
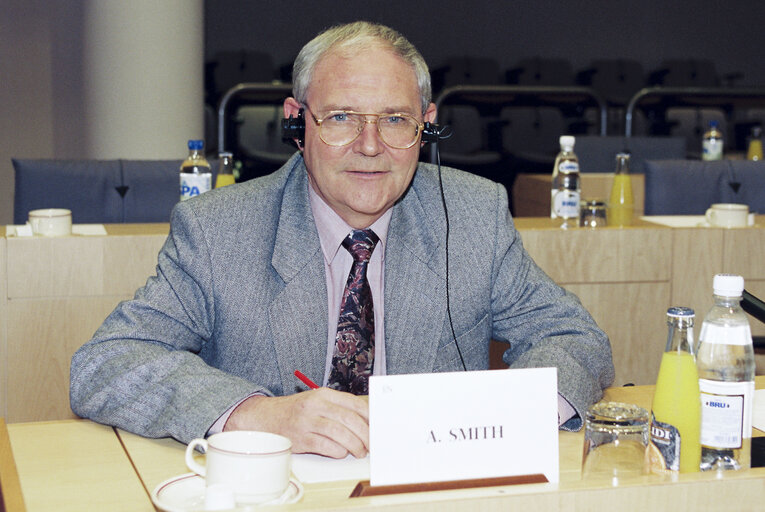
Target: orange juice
(620,205)
(224,179)
(677,404)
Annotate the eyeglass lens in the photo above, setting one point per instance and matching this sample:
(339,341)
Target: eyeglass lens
(398,131)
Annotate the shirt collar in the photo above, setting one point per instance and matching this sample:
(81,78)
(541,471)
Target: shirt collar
(333,229)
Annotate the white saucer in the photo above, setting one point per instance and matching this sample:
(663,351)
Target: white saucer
(186,493)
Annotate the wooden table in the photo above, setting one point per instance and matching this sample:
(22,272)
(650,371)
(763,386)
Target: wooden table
(79,465)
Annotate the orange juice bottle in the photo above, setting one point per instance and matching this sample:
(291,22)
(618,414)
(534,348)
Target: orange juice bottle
(621,205)
(225,170)
(676,410)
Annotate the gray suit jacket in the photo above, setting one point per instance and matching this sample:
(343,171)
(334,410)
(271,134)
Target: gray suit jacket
(239,302)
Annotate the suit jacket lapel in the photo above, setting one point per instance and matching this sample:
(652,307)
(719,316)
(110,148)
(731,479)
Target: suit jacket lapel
(414,282)
(298,314)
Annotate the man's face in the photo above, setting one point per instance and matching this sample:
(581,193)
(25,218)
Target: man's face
(361,180)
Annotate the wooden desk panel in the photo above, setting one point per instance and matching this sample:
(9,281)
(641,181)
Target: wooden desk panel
(3,327)
(156,460)
(74,466)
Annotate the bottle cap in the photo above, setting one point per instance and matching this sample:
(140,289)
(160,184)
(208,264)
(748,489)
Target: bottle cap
(680,312)
(228,154)
(196,144)
(567,142)
(728,285)
(713,123)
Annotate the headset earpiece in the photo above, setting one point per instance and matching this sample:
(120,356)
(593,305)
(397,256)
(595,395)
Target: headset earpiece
(294,128)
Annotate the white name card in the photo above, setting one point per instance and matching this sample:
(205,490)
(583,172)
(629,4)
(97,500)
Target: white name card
(458,426)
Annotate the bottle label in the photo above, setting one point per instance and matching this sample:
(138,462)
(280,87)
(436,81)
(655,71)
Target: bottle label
(726,413)
(713,149)
(194,184)
(725,334)
(665,446)
(568,166)
(565,203)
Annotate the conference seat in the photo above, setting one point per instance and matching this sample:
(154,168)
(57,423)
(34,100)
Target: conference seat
(598,153)
(89,188)
(99,191)
(689,187)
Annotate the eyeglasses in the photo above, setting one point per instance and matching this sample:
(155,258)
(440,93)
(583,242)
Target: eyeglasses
(341,127)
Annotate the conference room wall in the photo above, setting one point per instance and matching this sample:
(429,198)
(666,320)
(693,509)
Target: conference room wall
(41,48)
(649,31)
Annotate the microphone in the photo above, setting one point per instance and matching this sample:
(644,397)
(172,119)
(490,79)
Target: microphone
(753,306)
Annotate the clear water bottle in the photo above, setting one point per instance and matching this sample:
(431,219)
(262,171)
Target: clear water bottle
(566,185)
(196,176)
(712,144)
(725,361)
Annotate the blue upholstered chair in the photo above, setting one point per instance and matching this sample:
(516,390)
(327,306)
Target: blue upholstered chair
(689,187)
(87,187)
(99,191)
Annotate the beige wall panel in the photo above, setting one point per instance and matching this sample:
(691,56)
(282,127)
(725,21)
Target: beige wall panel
(55,267)
(43,334)
(3,325)
(601,256)
(634,317)
(744,252)
(134,258)
(696,257)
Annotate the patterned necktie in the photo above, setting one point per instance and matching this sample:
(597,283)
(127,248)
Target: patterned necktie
(353,358)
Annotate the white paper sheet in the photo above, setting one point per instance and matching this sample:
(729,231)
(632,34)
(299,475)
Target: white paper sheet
(25,230)
(758,411)
(309,468)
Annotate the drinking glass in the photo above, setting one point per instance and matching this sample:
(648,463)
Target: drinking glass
(593,214)
(615,441)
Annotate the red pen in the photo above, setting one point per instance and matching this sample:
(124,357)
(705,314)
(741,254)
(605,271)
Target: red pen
(308,382)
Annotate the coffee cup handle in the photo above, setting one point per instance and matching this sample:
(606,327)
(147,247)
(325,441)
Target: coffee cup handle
(190,462)
(710,216)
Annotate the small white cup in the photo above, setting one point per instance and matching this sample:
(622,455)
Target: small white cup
(728,215)
(255,465)
(51,222)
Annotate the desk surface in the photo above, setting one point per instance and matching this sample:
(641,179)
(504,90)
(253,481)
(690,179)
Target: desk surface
(80,465)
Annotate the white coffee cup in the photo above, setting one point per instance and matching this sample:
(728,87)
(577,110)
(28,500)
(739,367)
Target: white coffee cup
(51,222)
(728,215)
(255,465)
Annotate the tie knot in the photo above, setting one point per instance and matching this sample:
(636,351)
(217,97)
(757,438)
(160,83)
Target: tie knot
(360,243)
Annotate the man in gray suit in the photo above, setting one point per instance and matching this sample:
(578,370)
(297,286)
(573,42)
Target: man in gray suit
(251,279)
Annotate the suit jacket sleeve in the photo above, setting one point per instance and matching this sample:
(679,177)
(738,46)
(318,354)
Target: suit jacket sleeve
(545,324)
(142,371)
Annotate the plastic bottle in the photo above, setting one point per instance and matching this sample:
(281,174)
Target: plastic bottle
(196,177)
(754,149)
(712,144)
(566,185)
(725,361)
(676,409)
(225,170)
(621,206)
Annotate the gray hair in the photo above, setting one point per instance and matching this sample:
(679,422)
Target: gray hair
(356,36)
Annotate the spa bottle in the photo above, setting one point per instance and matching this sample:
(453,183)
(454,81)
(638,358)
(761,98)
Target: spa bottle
(566,185)
(725,361)
(676,409)
(621,205)
(712,143)
(196,177)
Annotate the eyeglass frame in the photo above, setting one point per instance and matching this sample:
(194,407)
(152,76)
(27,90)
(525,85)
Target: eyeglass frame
(420,125)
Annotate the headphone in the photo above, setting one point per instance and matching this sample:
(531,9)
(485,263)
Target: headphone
(294,128)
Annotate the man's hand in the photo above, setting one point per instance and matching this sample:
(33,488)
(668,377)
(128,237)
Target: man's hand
(323,421)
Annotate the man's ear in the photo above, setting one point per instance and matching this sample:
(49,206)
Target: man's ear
(430,114)
(291,107)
